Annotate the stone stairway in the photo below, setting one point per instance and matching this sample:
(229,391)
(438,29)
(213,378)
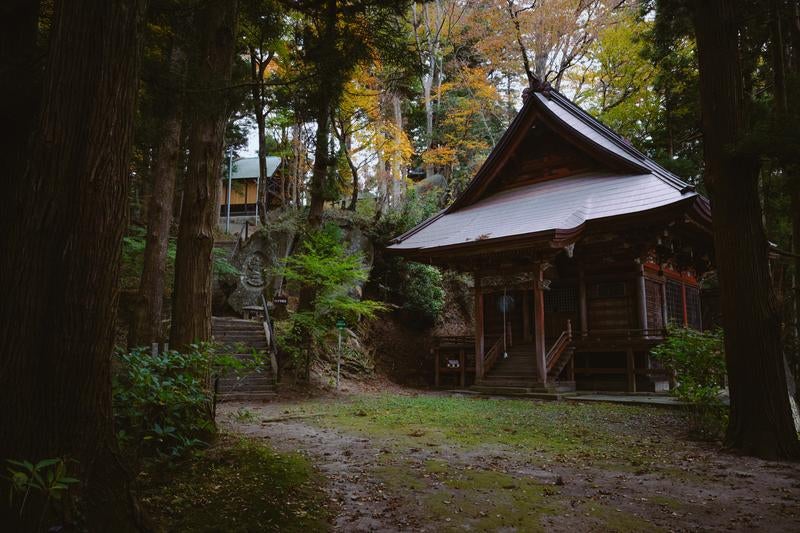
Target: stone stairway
(239,338)
(516,375)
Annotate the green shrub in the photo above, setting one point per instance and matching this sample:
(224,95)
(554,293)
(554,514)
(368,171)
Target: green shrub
(326,269)
(163,403)
(698,360)
(415,287)
(421,291)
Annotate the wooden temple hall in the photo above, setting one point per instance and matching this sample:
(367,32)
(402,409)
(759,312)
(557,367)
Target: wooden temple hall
(581,249)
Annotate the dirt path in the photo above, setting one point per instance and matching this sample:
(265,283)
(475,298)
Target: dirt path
(383,484)
(363,502)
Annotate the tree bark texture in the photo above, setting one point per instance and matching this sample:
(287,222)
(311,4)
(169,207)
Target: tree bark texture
(211,73)
(60,276)
(760,418)
(146,325)
(20,72)
(319,172)
(257,68)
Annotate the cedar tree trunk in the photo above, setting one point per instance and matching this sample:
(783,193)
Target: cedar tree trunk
(191,307)
(146,326)
(59,276)
(760,418)
(319,172)
(257,69)
(20,69)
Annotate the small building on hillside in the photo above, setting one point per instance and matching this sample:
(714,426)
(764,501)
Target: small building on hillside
(582,250)
(245,189)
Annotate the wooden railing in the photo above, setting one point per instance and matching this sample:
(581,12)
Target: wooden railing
(491,356)
(600,335)
(269,333)
(558,347)
(494,352)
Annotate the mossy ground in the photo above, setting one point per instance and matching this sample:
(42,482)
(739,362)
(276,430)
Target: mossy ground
(238,485)
(555,431)
(409,462)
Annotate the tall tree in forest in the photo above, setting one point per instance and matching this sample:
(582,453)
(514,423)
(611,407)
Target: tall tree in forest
(263,23)
(210,71)
(337,38)
(760,418)
(60,273)
(547,37)
(145,326)
(364,134)
(640,78)
(432,24)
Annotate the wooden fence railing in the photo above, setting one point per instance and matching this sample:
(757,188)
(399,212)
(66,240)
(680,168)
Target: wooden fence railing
(491,355)
(558,347)
(504,341)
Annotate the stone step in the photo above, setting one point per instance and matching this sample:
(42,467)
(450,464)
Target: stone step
(239,324)
(245,340)
(228,334)
(246,396)
(240,338)
(527,376)
(256,333)
(248,326)
(520,383)
(244,355)
(517,392)
(512,368)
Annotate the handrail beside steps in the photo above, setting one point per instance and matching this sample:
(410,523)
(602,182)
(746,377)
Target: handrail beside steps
(269,332)
(491,356)
(554,354)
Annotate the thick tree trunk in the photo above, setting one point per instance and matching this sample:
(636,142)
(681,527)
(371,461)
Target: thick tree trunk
(760,417)
(319,173)
(257,77)
(146,325)
(60,275)
(191,308)
(296,155)
(20,70)
(354,171)
(795,204)
(398,182)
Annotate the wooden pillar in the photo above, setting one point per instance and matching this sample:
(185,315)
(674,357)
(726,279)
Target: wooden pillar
(631,371)
(526,317)
(582,303)
(462,365)
(664,310)
(478,329)
(538,323)
(641,298)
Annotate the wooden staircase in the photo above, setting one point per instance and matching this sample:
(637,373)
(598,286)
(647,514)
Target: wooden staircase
(516,374)
(239,338)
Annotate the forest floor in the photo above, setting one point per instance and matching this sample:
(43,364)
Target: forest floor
(435,462)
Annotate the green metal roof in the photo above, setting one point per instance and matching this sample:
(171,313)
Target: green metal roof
(247,168)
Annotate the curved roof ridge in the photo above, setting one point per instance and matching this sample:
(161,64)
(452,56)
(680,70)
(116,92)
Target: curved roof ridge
(618,140)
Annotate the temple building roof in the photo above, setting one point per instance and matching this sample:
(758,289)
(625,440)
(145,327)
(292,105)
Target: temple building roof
(555,173)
